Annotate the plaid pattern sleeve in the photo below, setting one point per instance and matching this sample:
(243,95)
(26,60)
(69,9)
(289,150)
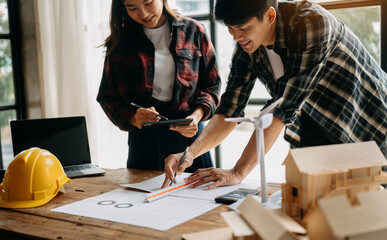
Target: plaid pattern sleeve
(197,69)
(333,79)
(129,73)
(110,99)
(329,75)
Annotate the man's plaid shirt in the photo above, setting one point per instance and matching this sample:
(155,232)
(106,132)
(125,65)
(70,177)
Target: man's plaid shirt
(329,75)
(129,72)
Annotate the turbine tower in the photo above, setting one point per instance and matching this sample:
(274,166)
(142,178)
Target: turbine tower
(262,121)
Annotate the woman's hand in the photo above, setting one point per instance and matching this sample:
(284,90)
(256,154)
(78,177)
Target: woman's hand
(219,177)
(145,115)
(190,130)
(187,130)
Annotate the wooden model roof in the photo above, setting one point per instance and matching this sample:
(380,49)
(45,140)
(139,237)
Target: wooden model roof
(346,220)
(268,223)
(336,158)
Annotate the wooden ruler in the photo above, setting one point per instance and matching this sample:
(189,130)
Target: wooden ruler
(168,190)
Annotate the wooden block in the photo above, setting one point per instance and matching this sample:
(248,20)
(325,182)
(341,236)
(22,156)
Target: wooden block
(262,221)
(287,222)
(240,229)
(216,234)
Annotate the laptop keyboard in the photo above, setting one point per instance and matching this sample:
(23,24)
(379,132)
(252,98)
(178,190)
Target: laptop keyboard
(76,168)
(82,170)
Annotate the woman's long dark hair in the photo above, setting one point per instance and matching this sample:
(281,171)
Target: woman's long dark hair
(120,22)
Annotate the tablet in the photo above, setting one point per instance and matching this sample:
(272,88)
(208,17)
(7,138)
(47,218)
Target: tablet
(174,122)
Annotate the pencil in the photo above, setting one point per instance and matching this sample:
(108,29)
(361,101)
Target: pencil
(138,106)
(181,161)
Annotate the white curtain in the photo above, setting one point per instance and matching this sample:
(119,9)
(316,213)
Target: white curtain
(70,33)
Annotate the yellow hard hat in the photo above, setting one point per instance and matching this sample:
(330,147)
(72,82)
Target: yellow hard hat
(32,179)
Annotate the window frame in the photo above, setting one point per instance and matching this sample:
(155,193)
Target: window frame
(14,36)
(348,4)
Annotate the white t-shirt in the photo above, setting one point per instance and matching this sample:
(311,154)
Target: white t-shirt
(276,63)
(164,76)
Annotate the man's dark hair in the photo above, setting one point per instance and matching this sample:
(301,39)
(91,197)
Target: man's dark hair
(238,12)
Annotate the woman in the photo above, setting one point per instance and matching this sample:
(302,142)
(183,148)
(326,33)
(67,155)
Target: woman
(166,64)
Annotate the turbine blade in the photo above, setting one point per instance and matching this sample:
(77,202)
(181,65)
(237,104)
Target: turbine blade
(270,107)
(240,119)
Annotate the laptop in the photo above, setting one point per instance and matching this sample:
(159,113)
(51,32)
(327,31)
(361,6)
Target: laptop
(65,137)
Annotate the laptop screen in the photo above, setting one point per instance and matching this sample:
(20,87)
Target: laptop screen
(66,138)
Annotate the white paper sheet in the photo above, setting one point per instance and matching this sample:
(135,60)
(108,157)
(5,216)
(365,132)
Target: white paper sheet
(200,193)
(155,183)
(125,206)
(128,207)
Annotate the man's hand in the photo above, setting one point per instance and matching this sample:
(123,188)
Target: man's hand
(219,177)
(171,166)
(146,115)
(215,131)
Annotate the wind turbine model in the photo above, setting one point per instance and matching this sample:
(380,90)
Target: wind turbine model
(262,121)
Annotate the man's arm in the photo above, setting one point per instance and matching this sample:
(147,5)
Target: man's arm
(245,164)
(213,134)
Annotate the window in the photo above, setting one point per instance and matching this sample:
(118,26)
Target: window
(11,93)
(365,23)
(294,192)
(364,18)
(192,7)
(367,18)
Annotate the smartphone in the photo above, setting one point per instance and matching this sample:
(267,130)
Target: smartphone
(235,195)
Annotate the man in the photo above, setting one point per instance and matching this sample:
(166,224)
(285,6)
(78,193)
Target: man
(334,92)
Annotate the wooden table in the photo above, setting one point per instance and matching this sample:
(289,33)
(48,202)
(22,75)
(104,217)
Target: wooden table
(41,223)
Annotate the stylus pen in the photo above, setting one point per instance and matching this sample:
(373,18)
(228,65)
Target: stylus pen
(138,106)
(181,161)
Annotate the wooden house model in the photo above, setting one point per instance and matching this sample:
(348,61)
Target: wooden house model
(316,172)
(340,218)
